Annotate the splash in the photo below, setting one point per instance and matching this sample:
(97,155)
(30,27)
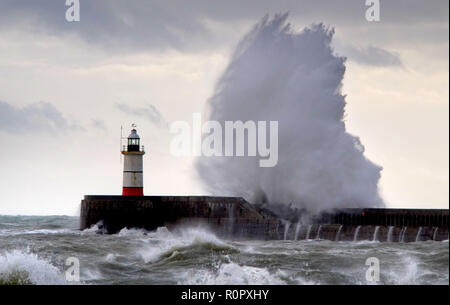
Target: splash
(98,228)
(287,225)
(231,273)
(419,234)
(278,74)
(308,232)
(402,235)
(355,237)
(318,232)
(297,230)
(22,268)
(338,234)
(390,233)
(435,233)
(132,232)
(375,233)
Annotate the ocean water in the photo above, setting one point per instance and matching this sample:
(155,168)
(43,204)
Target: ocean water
(34,250)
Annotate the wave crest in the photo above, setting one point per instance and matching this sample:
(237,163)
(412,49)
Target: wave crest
(19,268)
(165,244)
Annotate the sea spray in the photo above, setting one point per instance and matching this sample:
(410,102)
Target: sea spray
(19,267)
(403,234)
(390,233)
(355,237)
(400,235)
(338,234)
(419,233)
(297,230)
(98,228)
(308,232)
(318,232)
(231,220)
(375,233)
(287,224)
(295,78)
(231,273)
(435,233)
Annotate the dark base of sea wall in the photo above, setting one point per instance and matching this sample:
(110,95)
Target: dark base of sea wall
(233,217)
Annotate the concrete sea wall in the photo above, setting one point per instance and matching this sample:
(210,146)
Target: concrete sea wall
(233,217)
(226,216)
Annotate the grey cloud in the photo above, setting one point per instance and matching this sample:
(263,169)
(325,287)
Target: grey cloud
(36,117)
(374,56)
(179,24)
(151,113)
(98,124)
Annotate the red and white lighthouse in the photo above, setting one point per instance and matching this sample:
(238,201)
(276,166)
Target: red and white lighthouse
(132,166)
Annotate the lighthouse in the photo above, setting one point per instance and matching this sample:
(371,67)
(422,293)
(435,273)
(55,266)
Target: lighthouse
(132,166)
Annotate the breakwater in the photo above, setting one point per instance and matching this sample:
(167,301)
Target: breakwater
(226,216)
(233,217)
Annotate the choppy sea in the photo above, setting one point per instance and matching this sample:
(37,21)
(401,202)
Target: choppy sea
(43,249)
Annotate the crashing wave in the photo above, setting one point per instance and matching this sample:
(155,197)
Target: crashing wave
(165,244)
(22,268)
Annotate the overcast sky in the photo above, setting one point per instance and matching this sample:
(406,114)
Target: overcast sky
(66,88)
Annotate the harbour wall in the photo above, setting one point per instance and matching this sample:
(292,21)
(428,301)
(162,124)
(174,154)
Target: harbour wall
(233,217)
(226,216)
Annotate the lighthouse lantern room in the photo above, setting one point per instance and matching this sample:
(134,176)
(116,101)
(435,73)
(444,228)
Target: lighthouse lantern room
(132,166)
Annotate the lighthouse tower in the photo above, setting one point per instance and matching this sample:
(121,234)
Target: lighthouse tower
(132,166)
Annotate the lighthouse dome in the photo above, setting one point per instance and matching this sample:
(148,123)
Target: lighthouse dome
(133,141)
(133,134)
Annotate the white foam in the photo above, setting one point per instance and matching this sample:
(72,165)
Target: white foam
(407,274)
(412,271)
(231,274)
(9,232)
(110,257)
(47,231)
(286,276)
(91,274)
(98,227)
(132,232)
(39,271)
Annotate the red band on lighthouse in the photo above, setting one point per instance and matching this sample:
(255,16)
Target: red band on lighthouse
(133,191)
